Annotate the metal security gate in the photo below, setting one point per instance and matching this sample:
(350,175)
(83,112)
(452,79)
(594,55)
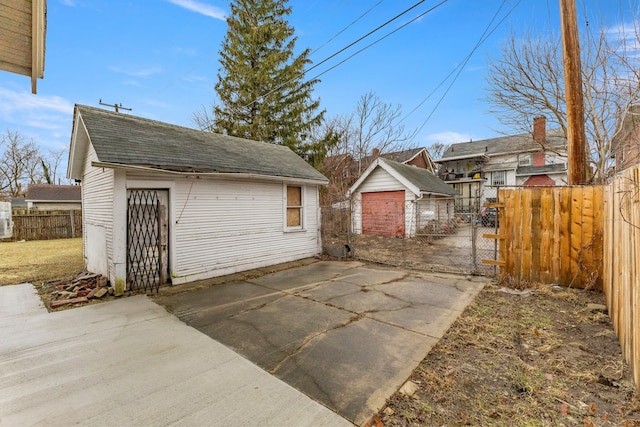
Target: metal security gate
(147,239)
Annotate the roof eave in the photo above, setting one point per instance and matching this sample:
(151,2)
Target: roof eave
(38,37)
(434,193)
(74,163)
(238,175)
(482,156)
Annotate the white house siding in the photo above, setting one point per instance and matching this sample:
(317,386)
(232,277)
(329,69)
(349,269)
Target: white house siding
(434,211)
(381,180)
(97,198)
(222,226)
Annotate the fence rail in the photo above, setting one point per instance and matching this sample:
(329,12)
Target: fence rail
(47,225)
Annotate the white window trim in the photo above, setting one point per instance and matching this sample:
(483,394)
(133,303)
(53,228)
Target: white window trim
(302,225)
(493,176)
(525,159)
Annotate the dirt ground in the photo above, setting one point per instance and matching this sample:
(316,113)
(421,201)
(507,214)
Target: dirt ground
(541,356)
(448,252)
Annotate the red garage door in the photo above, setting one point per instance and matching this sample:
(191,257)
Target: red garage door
(383,213)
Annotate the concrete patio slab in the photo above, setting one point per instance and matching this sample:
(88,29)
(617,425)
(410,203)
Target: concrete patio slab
(347,334)
(129,362)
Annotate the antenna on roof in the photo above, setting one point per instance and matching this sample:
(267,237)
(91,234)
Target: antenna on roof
(116,106)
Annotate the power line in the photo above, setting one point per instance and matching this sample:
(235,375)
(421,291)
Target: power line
(347,27)
(480,41)
(367,35)
(335,10)
(381,38)
(461,64)
(359,51)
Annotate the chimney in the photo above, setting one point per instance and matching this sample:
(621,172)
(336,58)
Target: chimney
(540,129)
(376,152)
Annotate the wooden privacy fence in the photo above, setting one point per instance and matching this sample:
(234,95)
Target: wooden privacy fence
(622,263)
(552,235)
(47,225)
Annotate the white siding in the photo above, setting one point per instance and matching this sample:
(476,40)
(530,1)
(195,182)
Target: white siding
(222,226)
(380,180)
(97,200)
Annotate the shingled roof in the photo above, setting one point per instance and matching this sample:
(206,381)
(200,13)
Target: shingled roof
(50,192)
(129,140)
(421,180)
(520,143)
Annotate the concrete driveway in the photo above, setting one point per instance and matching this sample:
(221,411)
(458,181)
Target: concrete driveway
(345,333)
(130,363)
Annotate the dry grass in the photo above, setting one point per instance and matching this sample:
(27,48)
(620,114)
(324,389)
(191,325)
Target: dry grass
(537,358)
(38,261)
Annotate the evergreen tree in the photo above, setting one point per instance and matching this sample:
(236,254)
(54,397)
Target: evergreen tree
(263,95)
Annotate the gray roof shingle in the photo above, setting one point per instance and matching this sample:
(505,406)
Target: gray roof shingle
(503,145)
(424,180)
(50,192)
(130,140)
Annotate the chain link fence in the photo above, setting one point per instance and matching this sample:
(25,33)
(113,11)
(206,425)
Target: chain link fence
(436,234)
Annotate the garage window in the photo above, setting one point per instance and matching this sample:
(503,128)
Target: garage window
(294,207)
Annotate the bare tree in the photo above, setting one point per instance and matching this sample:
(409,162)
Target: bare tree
(52,163)
(527,80)
(20,163)
(375,124)
(203,118)
(437,150)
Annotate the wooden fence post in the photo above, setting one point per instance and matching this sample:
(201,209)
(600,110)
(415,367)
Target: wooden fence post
(73,225)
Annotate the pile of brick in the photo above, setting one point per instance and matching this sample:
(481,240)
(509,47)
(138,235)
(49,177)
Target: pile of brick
(84,287)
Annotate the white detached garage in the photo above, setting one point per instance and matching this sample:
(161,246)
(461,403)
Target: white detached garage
(394,199)
(168,204)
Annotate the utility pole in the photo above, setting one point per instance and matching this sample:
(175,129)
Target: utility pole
(116,106)
(576,150)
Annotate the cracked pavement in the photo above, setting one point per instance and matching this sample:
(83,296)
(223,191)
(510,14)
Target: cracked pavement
(347,334)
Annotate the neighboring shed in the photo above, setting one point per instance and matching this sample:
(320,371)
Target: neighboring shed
(49,197)
(167,203)
(394,199)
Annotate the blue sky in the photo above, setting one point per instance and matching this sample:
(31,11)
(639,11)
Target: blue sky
(160,57)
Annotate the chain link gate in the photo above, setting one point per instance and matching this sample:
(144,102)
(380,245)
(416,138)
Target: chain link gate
(146,240)
(439,234)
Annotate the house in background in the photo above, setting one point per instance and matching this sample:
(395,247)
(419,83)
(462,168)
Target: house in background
(22,39)
(395,199)
(477,168)
(49,197)
(166,203)
(418,157)
(626,143)
(343,170)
